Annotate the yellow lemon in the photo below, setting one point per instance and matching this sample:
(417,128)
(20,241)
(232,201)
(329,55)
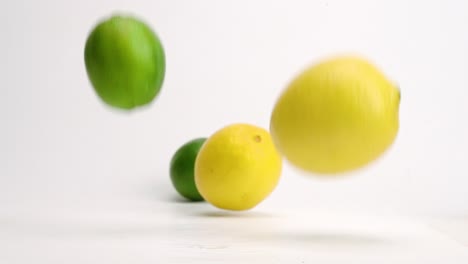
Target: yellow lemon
(336,116)
(237,167)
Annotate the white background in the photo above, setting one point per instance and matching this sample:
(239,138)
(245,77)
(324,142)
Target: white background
(63,152)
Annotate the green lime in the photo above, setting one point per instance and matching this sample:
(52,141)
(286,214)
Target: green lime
(125,62)
(182,169)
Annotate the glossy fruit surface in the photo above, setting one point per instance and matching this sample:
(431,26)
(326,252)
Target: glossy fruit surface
(336,116)
(182,169)
(125,62)
(237,167)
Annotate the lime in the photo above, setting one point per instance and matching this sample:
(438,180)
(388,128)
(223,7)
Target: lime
(125,62)
(182,169)
(336,116)
(237,167)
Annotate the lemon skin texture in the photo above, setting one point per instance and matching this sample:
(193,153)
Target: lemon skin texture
(336,116)
(237,167)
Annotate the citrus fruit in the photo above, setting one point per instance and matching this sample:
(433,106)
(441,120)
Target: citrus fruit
(182,169)
(338,115)
(237,167)
(125,62)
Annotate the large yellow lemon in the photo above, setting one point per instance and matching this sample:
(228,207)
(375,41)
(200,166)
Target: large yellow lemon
(336,116)
(237,167)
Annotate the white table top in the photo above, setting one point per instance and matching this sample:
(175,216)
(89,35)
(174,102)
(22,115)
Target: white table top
(169,230)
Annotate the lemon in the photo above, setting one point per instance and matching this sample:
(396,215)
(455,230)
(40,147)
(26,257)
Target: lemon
(237,167)
(336,116)
(125,62)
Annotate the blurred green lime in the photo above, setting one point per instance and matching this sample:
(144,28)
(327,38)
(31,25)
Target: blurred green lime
(182,169)
(125,62)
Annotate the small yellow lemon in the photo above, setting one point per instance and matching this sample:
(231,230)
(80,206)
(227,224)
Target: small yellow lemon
(237,167)
(336,116)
